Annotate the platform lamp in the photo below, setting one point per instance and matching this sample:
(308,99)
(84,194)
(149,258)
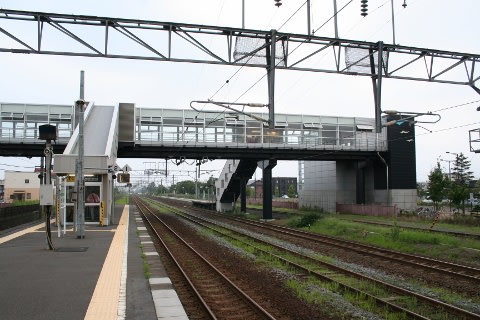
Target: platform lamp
(48,133)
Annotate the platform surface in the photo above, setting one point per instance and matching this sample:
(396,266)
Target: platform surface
(98,277)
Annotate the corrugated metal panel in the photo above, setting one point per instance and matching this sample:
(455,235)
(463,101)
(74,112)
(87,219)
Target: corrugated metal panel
(126,122)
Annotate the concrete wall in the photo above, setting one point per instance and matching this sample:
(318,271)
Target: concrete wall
(328,183)
(346,182)
(405,199)
(319,189)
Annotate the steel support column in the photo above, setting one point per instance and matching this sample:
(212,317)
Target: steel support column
(243,194)
(267,166)
(270,50)
(360,182)
(377,85)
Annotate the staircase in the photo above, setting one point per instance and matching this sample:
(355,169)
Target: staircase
(228,184)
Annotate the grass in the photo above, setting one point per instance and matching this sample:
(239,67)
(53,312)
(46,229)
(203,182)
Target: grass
(146,267)
(122,200)
(24,203)
(396,238)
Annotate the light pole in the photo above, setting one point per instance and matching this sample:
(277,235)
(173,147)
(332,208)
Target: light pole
(456,162)
(449,172)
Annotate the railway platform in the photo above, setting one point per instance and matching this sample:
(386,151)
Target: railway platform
(102,276)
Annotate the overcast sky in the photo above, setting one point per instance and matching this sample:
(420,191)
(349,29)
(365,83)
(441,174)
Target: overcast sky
(434,24)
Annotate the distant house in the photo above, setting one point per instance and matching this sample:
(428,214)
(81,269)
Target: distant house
(21,186)
(2,187)
(280,186)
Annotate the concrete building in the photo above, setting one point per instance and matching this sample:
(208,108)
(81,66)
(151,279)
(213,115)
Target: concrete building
(21,186)
(387,180)
(280,186)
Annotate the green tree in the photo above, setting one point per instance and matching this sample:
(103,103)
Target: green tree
(276,192)
(250,191)
(161,189)
(186,187)
(437,185)
(150,189)
(291,192)
(461,177)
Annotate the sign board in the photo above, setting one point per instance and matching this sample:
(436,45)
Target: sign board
(123,177)
(126,168)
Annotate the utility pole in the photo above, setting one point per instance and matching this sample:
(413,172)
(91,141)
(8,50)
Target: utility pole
(80,181)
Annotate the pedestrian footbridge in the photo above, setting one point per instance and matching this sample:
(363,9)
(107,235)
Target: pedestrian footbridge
(127,131)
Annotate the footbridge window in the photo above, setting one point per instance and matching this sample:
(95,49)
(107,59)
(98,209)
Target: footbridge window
(12,125)
(329,134)
(311,133)
(150,128)
(214,129)
(346,131)
(193,129)
(172,129)
(63,123)
(32,122)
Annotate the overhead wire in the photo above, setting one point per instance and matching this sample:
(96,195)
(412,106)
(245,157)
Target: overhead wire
(231,77)
(262,77)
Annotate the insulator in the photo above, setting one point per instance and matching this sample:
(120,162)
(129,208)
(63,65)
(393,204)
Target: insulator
(278,3)
(364,8)
(404,3)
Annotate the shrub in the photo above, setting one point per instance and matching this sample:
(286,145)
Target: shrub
(307,220)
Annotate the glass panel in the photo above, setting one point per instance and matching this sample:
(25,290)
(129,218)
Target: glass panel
(172,121)
(171,134)
(346,134)
(92,203)
(37,117)
(329,134)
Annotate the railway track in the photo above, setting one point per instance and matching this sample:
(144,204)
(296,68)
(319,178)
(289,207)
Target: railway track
(428,264)
(219,296)
(393,297)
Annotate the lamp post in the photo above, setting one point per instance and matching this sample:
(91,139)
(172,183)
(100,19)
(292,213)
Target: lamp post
(449,172)
(456,162)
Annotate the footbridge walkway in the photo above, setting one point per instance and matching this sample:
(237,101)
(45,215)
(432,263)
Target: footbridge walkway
(127,131)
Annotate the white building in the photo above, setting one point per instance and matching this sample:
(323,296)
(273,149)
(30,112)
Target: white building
(21,186)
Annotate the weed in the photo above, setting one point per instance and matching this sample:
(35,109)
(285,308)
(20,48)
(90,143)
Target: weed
(146,270)
(395,232)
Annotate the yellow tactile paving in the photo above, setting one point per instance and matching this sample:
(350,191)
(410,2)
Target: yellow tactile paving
(105,300)
(21,233)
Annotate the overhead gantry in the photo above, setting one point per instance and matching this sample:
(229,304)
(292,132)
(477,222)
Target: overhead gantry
(271,50)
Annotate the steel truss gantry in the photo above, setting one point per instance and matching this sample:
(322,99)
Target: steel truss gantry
(272,50)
